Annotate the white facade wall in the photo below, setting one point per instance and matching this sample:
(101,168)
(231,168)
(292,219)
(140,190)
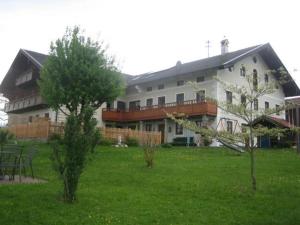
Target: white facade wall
(171,89)
(234,77)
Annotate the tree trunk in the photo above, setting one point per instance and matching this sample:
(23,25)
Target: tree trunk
(253,172)
(252,160)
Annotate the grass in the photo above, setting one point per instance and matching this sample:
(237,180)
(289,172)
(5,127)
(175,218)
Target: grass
(186,186)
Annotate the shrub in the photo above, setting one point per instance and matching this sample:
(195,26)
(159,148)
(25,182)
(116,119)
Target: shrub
(133,142)
(54,137)
(95,139)
(5,137)
(207,141)
(166,145)
(106,142)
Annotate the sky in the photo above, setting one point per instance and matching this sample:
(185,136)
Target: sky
(152,35)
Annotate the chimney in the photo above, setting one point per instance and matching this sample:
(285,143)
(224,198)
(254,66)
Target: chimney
(224,46)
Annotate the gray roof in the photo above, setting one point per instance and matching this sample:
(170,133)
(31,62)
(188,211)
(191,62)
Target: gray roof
(219,61)
(216,62)
(38,58)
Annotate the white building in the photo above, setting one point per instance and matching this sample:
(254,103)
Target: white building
(149,96)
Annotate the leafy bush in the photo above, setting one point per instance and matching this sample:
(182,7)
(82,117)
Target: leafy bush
(166,145)
(5,137)
(106,142)
(54,137)
(207,141)
(133,142)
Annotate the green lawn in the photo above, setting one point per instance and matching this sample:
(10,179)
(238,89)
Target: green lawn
(186,186)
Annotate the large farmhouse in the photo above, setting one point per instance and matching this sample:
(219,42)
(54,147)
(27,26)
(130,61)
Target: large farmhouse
(149,96)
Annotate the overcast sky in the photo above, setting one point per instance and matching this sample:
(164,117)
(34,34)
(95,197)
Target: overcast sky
(153,35)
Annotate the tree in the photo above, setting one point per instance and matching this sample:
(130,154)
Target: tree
(246,111)
(77,78)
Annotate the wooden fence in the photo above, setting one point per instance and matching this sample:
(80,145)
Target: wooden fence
(141,136)
(42,129)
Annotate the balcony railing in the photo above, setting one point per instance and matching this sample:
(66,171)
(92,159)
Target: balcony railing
(189,108)
(23,103)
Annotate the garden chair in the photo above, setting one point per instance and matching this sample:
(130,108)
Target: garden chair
(8,164)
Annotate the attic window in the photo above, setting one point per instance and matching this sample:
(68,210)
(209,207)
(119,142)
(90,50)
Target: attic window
(161,86)
(254,59)
(180,82)
(230,68)
(266,78)
(200,79)
(255,80)
(243,71)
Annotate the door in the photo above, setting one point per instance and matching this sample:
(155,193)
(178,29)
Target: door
(161,101)
(161,129)
(265,141)
(120,106)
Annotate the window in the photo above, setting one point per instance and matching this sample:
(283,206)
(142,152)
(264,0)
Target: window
(266,78)
(229,97)
(229,126)
(149,102)
(277,110)
(161,86)
(255,104)
(170,129)
(30,119)
(46,115)
(200,96)
(243,71)
(180,98)
(267,105)
(180,82)
(179,129)
(254,59)
(161,101)
(148,127)
(244,128)
(255,82)
(243,100)
(134,105)
(200,79)
(149,89)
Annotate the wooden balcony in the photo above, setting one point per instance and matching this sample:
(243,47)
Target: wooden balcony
(189,108)
(24,104)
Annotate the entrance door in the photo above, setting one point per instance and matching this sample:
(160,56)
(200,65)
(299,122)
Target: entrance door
(265,141)
(161,129)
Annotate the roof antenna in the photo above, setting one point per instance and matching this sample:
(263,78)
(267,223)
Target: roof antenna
(207,46)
